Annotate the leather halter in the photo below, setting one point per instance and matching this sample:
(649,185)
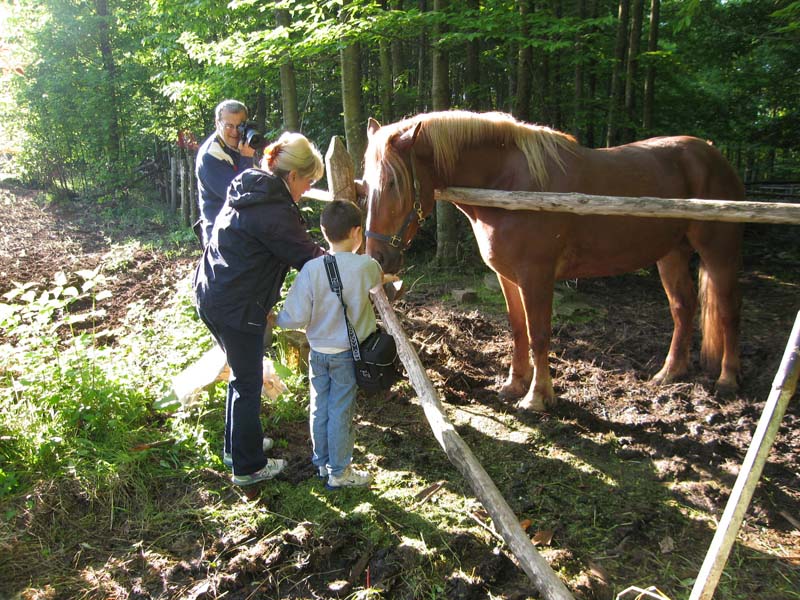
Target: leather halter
(416,210)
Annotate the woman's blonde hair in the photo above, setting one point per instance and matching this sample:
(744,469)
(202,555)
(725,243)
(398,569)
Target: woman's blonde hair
(293,152)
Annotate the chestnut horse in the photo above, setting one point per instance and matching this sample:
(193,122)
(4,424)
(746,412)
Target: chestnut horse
(529,250)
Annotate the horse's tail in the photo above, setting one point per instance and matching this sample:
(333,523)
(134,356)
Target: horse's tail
(711,325)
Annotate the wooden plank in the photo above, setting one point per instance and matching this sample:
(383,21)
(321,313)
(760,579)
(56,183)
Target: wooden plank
(538,570)
(585,204)
(318,195)
(783,388)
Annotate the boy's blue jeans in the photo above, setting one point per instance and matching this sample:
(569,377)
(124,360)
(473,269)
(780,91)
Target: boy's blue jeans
(333,395)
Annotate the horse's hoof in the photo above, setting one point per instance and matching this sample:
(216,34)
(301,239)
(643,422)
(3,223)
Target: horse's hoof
(534,403)
(513,390)
(725,390)
(664,377)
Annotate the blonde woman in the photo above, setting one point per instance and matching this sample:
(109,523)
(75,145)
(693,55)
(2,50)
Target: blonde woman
(257,236)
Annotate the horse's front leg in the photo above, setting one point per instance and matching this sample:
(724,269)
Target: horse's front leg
(537,296)
(520,373)
(530,311)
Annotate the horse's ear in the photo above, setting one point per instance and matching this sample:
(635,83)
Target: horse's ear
(404,142)
(372,127)
(361,188)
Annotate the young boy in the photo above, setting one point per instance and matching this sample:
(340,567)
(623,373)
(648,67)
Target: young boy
(312,304)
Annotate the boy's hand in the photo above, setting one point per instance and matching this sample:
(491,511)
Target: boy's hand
(390,277)
(271,318)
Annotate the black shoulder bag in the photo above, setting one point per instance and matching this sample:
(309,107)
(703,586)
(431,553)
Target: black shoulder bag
(376,357)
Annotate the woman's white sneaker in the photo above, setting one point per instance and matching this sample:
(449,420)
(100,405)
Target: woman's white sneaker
(350,477)
(268,471)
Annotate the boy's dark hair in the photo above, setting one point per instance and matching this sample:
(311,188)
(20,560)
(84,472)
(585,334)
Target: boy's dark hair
(338,218)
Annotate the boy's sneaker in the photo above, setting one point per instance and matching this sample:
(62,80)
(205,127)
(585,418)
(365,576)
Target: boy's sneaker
(322,472)
(272,468)
(227,458)
(350,477)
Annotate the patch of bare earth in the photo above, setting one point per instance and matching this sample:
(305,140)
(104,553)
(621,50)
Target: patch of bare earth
(694,441)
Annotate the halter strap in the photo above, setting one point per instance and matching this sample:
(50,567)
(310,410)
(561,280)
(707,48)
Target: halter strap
(416,211)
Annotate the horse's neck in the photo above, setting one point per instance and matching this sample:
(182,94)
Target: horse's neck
(491,168)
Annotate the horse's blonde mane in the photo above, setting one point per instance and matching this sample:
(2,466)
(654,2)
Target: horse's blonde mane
(449,132)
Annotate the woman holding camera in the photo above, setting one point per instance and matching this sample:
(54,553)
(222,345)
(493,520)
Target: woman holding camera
(257,236)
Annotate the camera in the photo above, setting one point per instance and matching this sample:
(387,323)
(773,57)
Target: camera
(251,136)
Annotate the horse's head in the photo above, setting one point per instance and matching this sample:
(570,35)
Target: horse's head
(395,208)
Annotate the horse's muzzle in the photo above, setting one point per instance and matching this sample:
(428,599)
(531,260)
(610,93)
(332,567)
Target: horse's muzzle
(389,258)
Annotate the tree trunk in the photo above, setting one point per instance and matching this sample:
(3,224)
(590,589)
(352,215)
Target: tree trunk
(400,76)
(615,93)
(291,116)
(110,68)
(557,83)
(577,115)
(386,79)
(591,92)
(446,213)
(354,128)
(630,71)
(522,102)
(422,59)
(650,72)
(440,82)
(473,92)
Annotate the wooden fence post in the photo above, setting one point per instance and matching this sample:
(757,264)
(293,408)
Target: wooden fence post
(162,162)
(340,170)
(783,388)
(173,180)
(192,180)
(185,210)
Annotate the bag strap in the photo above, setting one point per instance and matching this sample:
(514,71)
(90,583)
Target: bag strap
(335,281)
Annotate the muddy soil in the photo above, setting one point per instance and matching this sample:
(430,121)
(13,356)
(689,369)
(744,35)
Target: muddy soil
(600,369)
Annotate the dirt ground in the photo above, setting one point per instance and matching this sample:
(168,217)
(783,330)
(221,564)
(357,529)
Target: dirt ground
(600,368)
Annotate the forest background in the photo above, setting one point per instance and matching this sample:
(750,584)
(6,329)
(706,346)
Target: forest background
(94,87)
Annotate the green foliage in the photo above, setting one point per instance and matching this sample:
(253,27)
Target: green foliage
(99,90)
(57,395)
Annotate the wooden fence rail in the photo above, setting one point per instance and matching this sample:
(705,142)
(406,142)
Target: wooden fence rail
(585,204)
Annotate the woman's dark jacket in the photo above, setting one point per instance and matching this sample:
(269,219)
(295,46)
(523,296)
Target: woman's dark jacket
(257,236)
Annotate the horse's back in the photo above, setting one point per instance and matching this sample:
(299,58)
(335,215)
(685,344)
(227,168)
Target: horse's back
(675,166)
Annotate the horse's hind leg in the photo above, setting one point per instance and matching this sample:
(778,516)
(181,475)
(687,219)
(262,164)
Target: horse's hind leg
(677,281)
(521,372)
(720,249)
